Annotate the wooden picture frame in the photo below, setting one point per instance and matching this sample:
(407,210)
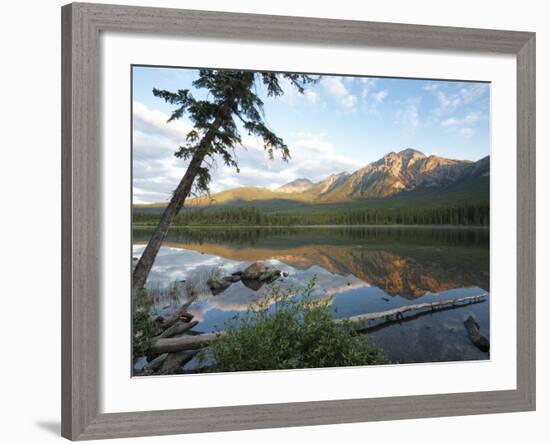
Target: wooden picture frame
(81,174)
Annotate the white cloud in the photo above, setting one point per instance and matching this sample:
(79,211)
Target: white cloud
(469,119)
(368,80)
(411,117)
(447,101)
(311,96)
(368,86)
(462,125)
(473,91)
(430,87)
(380,95)
(408,117)
(314,142)
(370,97)
(312,157)
(452,121)
(291,93)
(450,104)
(472,117)
(145,118)
(335,87)
(466,132)
(156,171)
(452,100)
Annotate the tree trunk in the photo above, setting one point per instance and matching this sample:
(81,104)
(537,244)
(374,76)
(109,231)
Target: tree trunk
(145,263)
(146,260)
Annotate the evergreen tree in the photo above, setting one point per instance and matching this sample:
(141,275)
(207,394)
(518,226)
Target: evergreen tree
(232,98)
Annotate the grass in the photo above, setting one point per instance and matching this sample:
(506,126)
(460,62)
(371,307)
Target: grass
(191,288)
(289,330)
(144,328)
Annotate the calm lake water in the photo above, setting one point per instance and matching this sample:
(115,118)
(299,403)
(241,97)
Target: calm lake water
(366,269)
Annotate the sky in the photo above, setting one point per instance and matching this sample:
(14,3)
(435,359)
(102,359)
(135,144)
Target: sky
(340,124)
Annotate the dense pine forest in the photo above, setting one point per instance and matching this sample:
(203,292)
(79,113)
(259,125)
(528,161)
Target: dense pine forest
(459,214)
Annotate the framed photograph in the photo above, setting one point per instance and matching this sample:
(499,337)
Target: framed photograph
(278,221)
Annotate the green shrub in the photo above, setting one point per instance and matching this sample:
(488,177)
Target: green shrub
(289,330)
(143,326)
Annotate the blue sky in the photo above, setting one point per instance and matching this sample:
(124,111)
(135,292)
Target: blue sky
(340,124)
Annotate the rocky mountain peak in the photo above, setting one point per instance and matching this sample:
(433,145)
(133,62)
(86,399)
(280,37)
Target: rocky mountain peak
(332,181)
(296,186)
(411,152)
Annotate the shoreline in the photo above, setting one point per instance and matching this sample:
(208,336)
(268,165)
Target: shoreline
(485,227)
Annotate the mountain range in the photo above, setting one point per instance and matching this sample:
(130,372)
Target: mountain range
(407,175)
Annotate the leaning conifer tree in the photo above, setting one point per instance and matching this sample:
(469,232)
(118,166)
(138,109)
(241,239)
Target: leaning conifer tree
(232,98)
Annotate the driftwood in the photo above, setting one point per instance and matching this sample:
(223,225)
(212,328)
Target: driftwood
(156,363)
(403,320)
(181,314)
(152,366)
(178,328)
(480,341)
(194,332)
(168,345)
(175,361)
(398,312)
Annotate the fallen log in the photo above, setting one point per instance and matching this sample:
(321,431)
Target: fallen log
(410,318)
(175,361)
(168,345)
(398,311)
(178,328)
(156,363)
(474,333)
(180,314)
(152,366)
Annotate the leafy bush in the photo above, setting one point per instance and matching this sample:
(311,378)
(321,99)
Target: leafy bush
(289,330)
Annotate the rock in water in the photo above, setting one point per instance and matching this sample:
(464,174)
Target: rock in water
(253,284)
(480,341)
(254,271)
(257,274)
(270,275)
(218,285)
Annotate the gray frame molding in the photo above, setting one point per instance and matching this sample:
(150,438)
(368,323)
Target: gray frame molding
(81,167)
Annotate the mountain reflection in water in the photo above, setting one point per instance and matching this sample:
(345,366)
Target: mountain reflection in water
(365,268)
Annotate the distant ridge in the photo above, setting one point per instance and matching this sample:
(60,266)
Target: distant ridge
(402,174)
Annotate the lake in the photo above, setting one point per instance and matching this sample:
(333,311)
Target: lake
(364,269)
